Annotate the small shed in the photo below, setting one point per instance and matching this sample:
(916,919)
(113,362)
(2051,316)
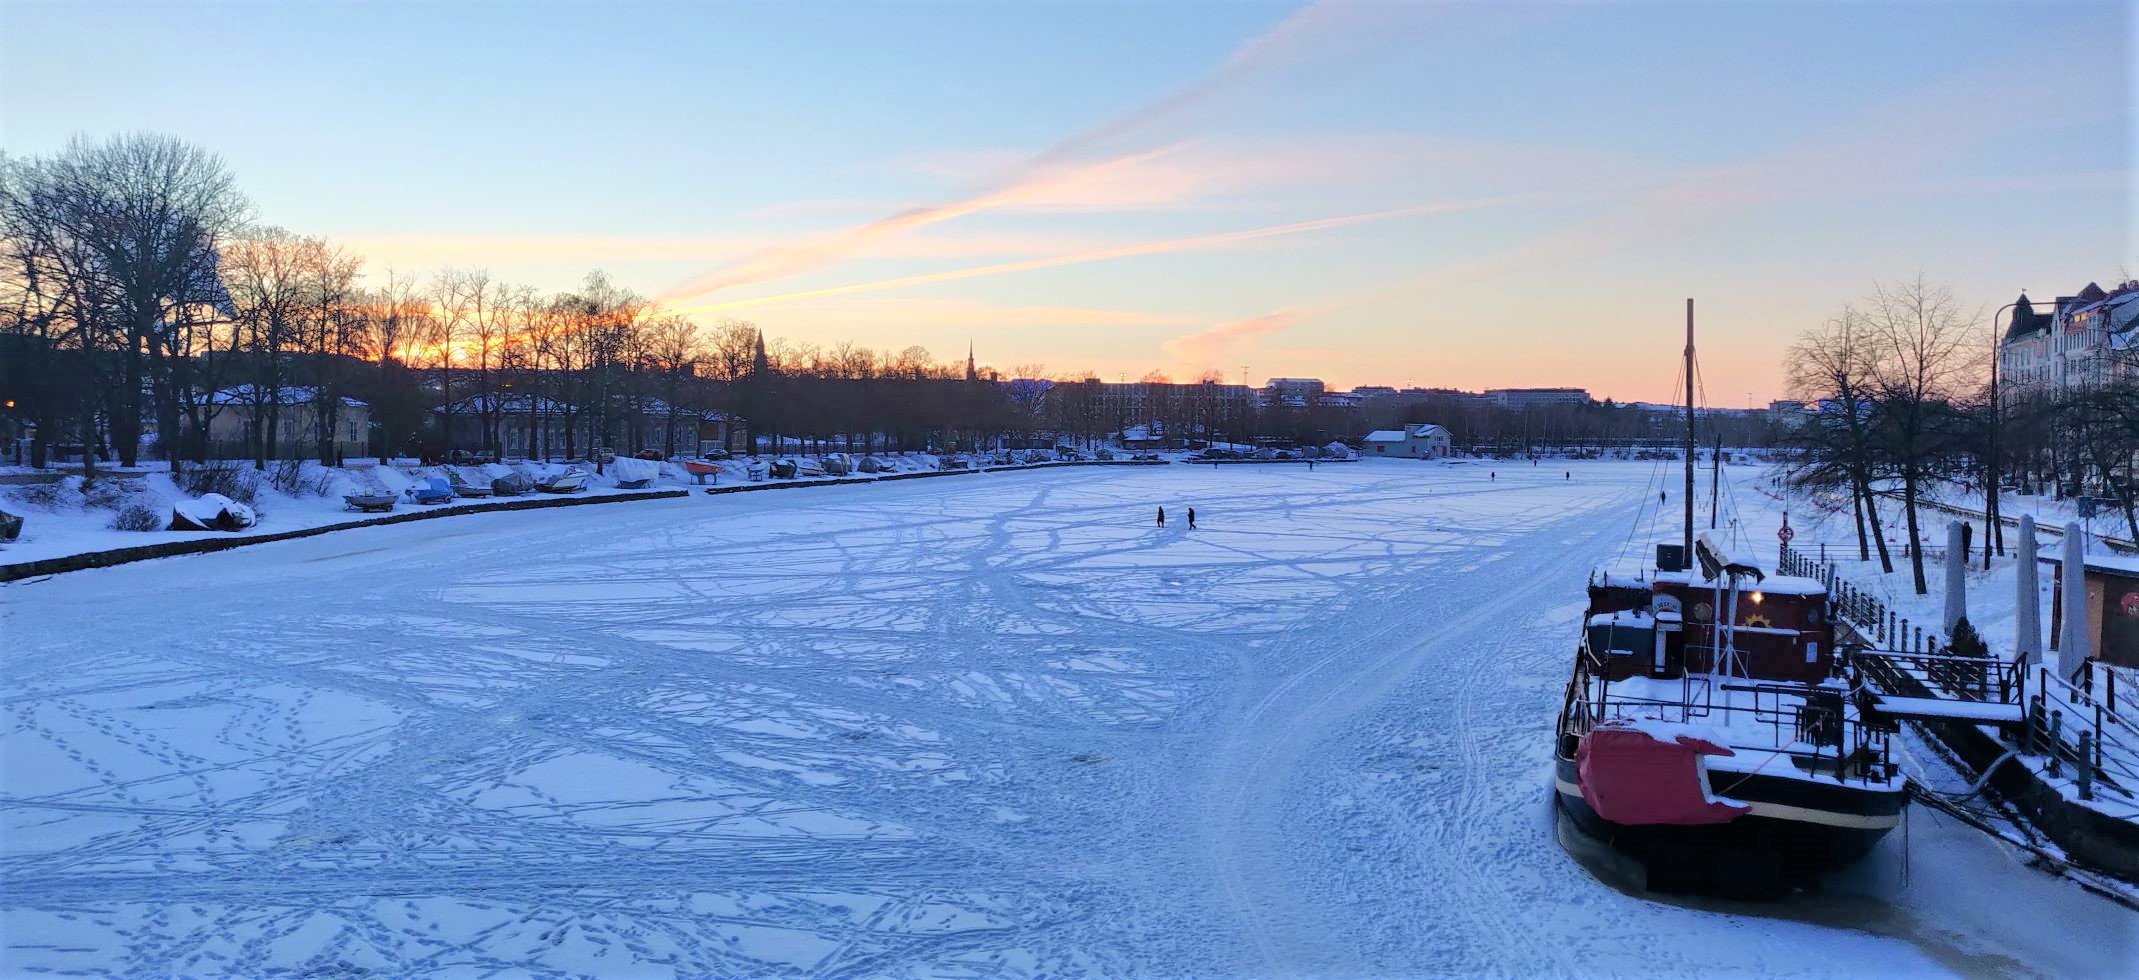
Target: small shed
(2112,607)
(1421,441)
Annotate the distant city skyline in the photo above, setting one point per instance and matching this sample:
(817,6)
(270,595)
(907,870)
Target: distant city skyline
(1459,195)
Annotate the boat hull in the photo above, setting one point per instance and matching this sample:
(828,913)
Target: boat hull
(1799,829)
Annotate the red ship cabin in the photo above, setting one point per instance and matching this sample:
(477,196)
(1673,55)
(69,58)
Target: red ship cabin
(1667,626)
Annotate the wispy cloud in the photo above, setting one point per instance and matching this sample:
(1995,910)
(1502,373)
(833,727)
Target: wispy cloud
(779,263)
(1210,345)
(1889,149)
(1319,30)
(963,312)
(593,251)
(1099,255)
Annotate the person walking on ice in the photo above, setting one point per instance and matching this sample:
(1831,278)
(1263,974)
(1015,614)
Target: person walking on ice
(1192,518)
(1162,517)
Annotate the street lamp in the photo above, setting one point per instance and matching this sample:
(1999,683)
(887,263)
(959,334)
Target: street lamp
(1993,531)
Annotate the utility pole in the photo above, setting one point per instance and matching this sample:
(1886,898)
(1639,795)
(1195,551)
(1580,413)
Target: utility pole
(1715,480)
(1991,528)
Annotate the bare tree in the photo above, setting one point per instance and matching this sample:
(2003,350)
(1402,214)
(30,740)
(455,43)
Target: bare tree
(1830,367)
(672,345)
(266,272)
(334,338)
(1922,367)
(126,230)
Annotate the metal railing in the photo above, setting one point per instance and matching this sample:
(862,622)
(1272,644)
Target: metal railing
(2072,724)
(1839,742)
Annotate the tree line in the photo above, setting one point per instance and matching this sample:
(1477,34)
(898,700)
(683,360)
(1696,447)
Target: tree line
(136,288)
(1905,388)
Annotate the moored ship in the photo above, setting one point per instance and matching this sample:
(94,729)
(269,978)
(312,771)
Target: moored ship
(1707,728)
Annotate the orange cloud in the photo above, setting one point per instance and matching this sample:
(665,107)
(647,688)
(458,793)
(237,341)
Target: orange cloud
(1098,255)
(1321,28)
(962,312)
(783,262)
(484,251)
(1208,346)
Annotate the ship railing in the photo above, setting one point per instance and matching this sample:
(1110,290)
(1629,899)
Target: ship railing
(1838,742)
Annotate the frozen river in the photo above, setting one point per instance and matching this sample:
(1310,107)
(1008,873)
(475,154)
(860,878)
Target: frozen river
(985,726)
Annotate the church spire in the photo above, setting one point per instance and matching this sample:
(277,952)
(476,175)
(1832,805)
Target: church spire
(971,375)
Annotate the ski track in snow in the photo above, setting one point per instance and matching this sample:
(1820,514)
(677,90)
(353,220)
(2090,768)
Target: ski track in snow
(985,727)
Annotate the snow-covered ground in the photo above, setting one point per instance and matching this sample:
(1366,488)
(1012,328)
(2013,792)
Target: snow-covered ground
(997,725)
(67,518)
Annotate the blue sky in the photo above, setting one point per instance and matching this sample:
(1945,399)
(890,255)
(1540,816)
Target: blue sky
(1467,194)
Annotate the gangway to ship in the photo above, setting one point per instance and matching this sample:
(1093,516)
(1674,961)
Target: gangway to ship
(2031,706)
(2006,716)
(1903,685)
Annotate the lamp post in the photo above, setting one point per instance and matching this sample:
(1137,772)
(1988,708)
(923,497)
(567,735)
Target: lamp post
(1993,531)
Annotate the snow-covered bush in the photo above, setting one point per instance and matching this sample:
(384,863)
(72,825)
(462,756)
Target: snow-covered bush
(296,478)
(39,496)
(137,516)
(231,480)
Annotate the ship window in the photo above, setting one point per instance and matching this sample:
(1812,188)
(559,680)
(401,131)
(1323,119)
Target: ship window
(1812,653)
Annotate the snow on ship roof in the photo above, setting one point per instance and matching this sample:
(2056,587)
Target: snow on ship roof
(1618,577)
(1632,619)
(1791,585)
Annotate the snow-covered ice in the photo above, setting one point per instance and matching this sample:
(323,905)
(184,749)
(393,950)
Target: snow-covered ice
(998,725)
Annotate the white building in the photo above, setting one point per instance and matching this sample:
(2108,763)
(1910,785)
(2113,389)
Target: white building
(1522,398)
(1422,441)
(2082,340)
(1293,392)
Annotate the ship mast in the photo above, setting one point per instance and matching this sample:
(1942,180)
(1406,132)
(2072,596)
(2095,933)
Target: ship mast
(1688,495)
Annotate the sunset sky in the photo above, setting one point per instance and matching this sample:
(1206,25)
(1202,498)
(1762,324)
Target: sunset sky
(1467,195)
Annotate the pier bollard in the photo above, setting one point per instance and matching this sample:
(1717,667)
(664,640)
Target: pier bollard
(2083,767)
(2057,742)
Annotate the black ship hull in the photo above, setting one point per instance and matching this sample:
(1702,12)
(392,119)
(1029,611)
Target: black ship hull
(1799,830)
